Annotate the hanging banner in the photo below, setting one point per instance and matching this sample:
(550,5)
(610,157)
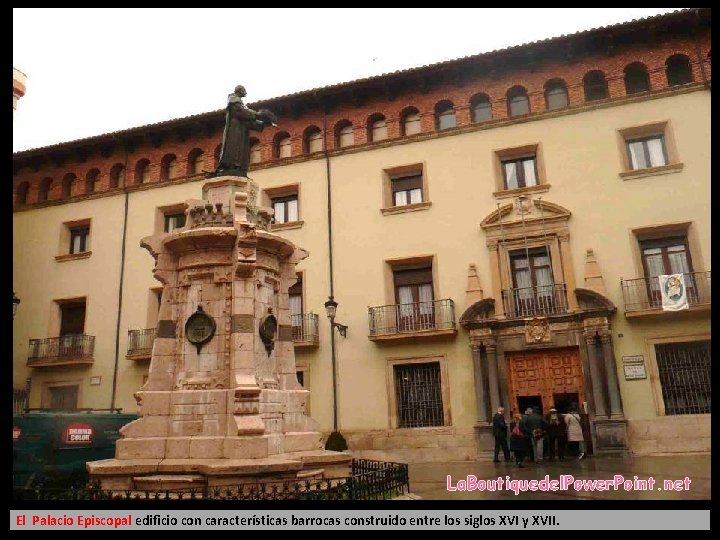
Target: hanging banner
(672,289)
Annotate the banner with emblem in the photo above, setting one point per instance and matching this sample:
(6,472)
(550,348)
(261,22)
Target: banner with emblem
(674,295)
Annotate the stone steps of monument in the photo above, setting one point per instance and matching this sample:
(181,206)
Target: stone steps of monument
(161,482)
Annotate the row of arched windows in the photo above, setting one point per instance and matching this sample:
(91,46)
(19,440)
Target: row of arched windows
(678,71)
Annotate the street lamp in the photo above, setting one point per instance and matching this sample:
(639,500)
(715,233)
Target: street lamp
(16,302)
(335,441)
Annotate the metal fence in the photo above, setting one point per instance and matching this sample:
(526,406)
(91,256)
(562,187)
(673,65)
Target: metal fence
(644,293)
(531,301)
(414,317)
(304,327)
(59,348)
(369,480)
(684,370)
(141,341)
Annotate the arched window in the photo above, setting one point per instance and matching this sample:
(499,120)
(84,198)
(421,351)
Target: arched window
(282,146)
(377,128)
(22,193)
(216,155)
(344,134)
(445,115)
(91,180)
(556,94)
(636,78)
(196,162)
(117,176)
(678,70)
(45,187)
(518,102)
(142,171)
(481,108)
(410,121)
(312,140)
(67,185)
(168,167)
(595,85)
(255,156)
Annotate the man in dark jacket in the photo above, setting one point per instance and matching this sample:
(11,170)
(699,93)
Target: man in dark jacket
(533,426)
(500,432)
(556,434)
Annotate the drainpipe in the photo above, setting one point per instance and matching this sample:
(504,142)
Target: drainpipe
(335,441)
(120,287)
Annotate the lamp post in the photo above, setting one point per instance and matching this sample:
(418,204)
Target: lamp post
(335,441)
(16,302)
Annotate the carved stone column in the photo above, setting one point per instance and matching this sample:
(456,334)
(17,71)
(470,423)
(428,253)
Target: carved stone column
(493,385)
(597,384)
(480,386)
(568,271)
(616,410)
(496,279)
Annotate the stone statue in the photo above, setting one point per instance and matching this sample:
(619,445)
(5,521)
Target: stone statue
(239,121)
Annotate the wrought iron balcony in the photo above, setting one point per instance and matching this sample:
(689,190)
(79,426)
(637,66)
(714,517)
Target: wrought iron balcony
(64,350)
(140,343)
(305,330)
(436,317)
(535,301)
(643,294)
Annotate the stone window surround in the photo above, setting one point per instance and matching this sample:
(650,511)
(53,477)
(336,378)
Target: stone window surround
(162,211)
(392,398)
(285,190)
(664,128)
(45,391)
(64,241)
(56,314)
(387,176)
(390,265)
(517,152)
(664,230)
(654,372)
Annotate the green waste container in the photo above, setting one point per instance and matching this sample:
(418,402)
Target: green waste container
(53,447)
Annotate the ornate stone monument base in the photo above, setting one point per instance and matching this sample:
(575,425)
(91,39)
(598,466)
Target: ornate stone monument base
(222,404)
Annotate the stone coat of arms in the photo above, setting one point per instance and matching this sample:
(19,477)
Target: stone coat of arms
(537,330)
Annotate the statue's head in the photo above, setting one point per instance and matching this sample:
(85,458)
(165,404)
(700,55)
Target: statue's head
(240,90)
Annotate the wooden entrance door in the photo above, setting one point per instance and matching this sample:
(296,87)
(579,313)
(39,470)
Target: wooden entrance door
(546,374)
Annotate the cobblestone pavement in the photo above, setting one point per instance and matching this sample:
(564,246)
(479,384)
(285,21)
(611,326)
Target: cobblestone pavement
(429,480)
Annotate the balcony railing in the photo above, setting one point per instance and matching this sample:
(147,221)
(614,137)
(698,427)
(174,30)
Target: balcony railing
(644,293)
(533,301)
(140,342)
(415,317)
(71,348)
(304,328)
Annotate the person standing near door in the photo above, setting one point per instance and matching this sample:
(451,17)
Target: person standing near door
(500,432)
(575,432)
(556,433)
(517,440)
(534,428)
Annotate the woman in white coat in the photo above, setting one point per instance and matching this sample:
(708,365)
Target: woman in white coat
(574,431)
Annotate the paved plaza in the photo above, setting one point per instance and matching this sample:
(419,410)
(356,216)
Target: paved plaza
(429,480)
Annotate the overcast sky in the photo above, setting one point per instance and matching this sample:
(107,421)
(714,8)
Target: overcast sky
(93,71)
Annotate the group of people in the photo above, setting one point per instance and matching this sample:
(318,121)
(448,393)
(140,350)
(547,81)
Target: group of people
(534,435)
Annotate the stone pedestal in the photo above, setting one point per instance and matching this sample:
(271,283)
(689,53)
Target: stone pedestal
(229,409)
(485,441)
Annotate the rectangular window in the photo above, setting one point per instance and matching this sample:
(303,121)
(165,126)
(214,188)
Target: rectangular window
(414,297)
(534,291)
(72,318)
(296,309)
(684,373)
(407,189)
(647,152)
(663,256)
(64,398)
(174,221)
(520,172)
(286,209)
(79,239)
(418,395)
(301,378)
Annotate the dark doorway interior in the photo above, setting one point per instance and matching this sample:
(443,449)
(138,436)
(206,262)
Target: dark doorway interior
(565,402)
(530,401)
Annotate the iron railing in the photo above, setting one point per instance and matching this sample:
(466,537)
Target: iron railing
(414,317)
(368,480)
(304,327)
(70,346)
(140,342)
(21,398)
(538,300)
(644,293)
